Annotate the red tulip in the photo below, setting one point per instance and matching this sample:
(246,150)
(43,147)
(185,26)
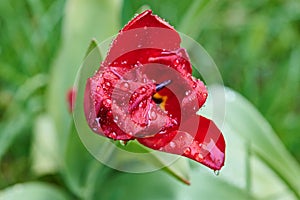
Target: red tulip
(144,90)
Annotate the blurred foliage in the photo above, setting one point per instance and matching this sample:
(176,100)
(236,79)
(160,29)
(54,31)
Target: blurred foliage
(255,44)
(29,39)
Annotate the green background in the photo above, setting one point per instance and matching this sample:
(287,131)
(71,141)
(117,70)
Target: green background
(255,44)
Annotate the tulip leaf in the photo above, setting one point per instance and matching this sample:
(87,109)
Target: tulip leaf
(158,185)
(33,190)
(255,156)
(83,21)
(80,167)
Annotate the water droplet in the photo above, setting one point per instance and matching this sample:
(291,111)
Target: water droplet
(134,95)
(174,121)
(198,157)
(139,46)
(97,123)
(98,89)
(217,172)
(188,92)
(172,145)
(116,118)
(153,115)
(124,86)
(124,62)
(187,151)
(141,105)
(143,90)
(123,142)
(107,102)
(109,113)
(144,80)
(112,135)
(108,84)
(130,133)
(145,27)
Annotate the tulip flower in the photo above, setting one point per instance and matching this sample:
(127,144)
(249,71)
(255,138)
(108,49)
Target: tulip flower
(144,90)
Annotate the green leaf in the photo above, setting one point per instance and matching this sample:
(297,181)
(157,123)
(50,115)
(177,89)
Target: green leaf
(269,170)
(17,120)
(80,168)
(83,21)
(158,185)
(33,190)
(44,154)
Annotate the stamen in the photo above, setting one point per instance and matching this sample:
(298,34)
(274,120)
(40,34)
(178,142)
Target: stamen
(162,85)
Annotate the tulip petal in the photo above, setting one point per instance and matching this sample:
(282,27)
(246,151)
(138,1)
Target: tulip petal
(206,147)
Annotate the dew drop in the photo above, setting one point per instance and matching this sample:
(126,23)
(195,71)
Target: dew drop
(112,135)
(123,142)
(109,113)
(217,172)
(107,102)
(124,62)
(153,115)
(198,157)
(139,46)
(188,92)
(97,121)
(98,89)
(108,84)
(172,145)
(187,151)
(143,90)
(116,118)
(124,86)
(145,27)
(144,80)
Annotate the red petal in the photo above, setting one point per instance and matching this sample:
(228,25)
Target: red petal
(144,31)
(206,147)
(147,19)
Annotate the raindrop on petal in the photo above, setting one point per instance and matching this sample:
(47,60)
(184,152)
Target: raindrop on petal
(112,135)
(153,115)
(107,102)
(188,92)
(198,157)
(124,86)
(187,151)
(172,145)
(116,118)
